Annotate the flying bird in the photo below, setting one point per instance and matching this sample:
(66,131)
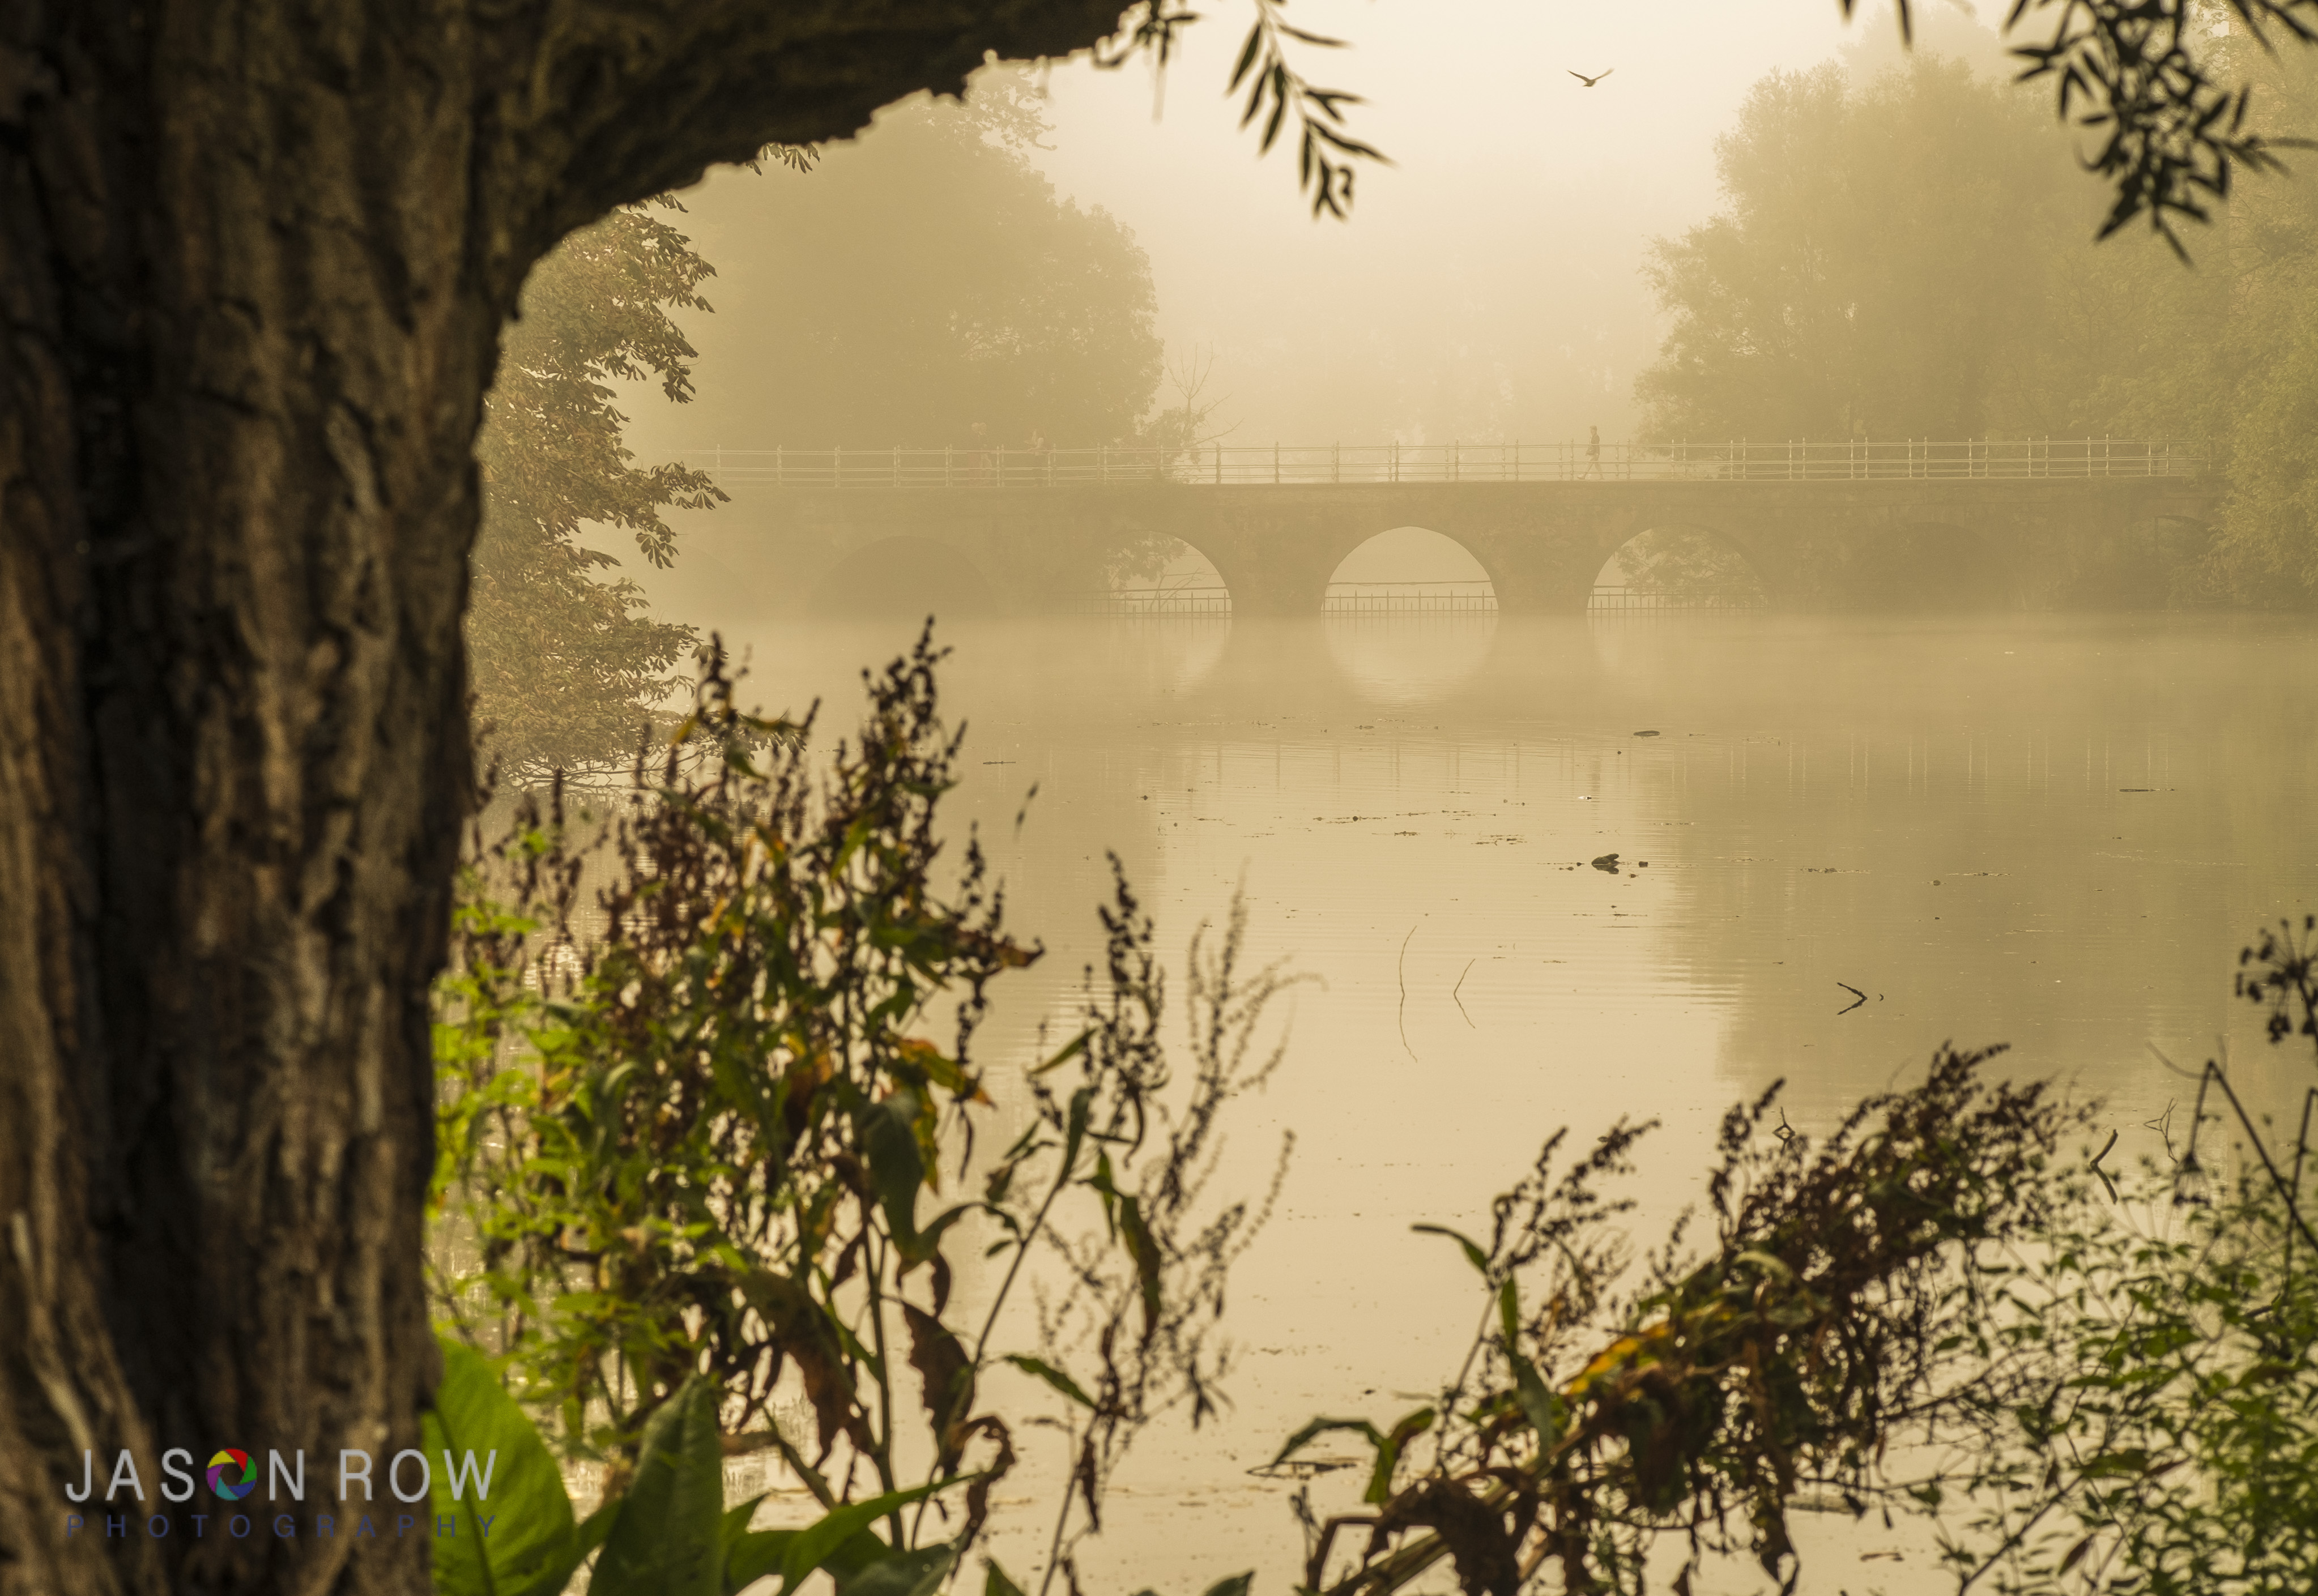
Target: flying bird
(1590,82)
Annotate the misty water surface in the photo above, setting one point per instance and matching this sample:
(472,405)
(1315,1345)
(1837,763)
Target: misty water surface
(2052,832)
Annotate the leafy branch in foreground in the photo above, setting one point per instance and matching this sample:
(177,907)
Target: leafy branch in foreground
(1840,1310)
(2136,72)
(1276,91)
(2172,136)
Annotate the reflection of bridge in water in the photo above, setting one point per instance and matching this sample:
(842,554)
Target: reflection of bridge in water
(1849,525)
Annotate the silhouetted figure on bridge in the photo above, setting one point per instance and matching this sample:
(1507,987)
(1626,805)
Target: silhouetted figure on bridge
(1593,452)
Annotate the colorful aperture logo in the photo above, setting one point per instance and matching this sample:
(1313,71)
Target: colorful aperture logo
(226,1481)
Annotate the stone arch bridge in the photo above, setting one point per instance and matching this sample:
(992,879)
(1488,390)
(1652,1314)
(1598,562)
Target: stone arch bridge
(2096,525)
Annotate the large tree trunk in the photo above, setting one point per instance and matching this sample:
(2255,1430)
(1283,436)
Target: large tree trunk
(254,258)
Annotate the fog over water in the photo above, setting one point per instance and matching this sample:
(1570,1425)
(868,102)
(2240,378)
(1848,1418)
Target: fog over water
(2052,832)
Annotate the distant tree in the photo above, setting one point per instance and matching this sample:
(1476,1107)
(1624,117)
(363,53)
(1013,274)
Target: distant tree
(2126,342)
(2253,373)
(1877,265)
(921,282)
(1910,259)
(566,667)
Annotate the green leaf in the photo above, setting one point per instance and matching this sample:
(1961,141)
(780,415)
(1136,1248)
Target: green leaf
(855,1554)
(1546,1413)
(1320,1427)
(735,1523)
(1387,1453)
(1072,1049)
(528,1548)
(667,1539)
(1074,1128)
(1052,1376)
(1473,1253)
(1144,1251)
(1235,1586)
(592,1531)
(904,1573)
(749,1555)
(995,1582)
(1509,1313)
(752,1555)
(889,1137)
(816,1545)
(1247,57)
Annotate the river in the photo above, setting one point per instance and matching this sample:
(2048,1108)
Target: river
(1840,841)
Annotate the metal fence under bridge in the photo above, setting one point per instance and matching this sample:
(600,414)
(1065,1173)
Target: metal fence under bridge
(1208,601)
(1801,459)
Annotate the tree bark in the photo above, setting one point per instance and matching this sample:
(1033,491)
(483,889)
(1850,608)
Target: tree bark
(254,259)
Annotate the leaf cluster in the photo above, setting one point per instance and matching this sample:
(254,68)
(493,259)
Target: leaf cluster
(1838,1310)
(2138,75)
(1275,91)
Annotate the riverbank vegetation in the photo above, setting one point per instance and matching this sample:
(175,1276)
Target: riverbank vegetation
(720,1139)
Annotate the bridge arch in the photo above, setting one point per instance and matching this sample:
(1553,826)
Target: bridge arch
(1680,563)
(1161,574)
(906,575)
(1410,570)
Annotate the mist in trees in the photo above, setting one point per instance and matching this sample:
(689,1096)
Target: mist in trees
(1877,267)
(921,283)
(1911,258)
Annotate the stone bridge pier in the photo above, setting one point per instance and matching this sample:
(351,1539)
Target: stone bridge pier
(1839,545)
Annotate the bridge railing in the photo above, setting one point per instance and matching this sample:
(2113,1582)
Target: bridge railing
(1800,460)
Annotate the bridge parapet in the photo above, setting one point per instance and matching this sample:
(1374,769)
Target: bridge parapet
(1799,459)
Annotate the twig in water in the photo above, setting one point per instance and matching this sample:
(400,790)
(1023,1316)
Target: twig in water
(2163,1123)
(1857,996)
(1403,994)
(1459,987)
(2096,1170)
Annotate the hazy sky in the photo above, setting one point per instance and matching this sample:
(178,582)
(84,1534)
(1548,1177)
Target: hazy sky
(1488,285)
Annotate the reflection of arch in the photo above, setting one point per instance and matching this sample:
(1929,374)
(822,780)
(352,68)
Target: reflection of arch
(1679,565)
(1410,570)
(905,576)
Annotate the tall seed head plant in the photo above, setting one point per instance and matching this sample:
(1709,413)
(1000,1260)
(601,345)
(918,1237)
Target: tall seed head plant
(702,1135)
